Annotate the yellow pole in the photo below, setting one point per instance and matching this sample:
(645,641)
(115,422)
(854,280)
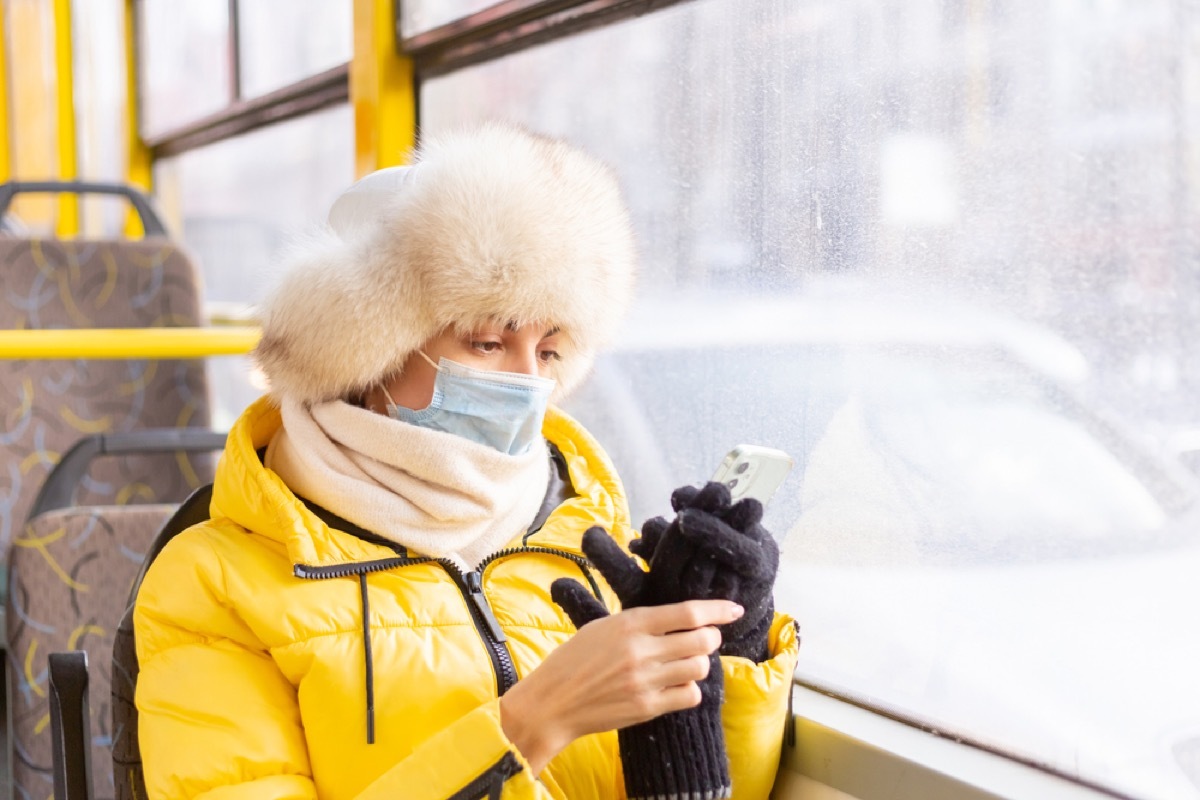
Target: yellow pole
(5,137)
(68,166)
(382,90)
(138,167)
(119,343)
(29,40)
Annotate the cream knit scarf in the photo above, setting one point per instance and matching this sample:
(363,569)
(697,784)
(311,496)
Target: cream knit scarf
(435,493)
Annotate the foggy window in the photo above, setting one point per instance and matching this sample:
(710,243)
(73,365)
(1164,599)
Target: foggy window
(945,254)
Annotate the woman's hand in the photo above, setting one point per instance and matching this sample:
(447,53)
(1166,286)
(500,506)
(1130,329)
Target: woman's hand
(615,672)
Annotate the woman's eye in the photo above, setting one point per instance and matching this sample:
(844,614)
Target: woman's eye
(486,347)
(548,356)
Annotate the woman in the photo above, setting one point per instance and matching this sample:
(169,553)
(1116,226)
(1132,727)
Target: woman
(368,613)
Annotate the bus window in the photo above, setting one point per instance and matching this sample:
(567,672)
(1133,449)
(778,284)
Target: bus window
(943,254)
(234,204)
(419,16)
(284,41)
(185,70)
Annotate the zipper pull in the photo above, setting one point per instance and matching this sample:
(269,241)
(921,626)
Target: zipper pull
(474,583)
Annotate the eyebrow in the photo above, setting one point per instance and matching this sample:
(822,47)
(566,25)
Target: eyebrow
(512,326)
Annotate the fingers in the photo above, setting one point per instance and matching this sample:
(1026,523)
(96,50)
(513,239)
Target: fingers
(652,531)
(577,601)
(744,515)
(684,616)
(677,698)
(683,496)
(622,572)
(684,670)
(687,644)
(712,498)
(713,538)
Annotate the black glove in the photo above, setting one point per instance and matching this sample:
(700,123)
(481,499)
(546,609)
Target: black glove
(713,549)
(710,550)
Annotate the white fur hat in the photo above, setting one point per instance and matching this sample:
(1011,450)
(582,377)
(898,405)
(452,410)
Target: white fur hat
(490,224)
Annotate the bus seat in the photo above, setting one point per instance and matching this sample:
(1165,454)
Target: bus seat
(49,404)
(69,710)
(72,572)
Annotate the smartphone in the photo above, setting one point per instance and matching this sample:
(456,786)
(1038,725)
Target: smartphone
(752,471)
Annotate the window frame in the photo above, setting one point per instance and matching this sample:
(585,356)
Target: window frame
(304,97)
(845,747)
(314,93)
(510,26)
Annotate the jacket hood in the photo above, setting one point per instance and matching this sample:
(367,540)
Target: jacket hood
(488,225)
(248,494)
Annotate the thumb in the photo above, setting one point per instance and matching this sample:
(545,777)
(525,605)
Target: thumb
(577,601)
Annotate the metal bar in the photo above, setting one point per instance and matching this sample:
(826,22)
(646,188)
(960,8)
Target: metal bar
(140,202)
(59,489)
(513,26)
(68,161)
(123,343)
(5,133)
(138,166)
(235,52)
(320,91)
(500,15)
(382,89)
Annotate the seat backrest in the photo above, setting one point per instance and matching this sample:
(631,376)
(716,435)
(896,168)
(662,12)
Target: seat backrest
(128,780)
(71,574)
(72,570)
(48,404)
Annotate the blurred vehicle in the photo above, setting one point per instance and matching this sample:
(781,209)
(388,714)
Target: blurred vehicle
(964,540)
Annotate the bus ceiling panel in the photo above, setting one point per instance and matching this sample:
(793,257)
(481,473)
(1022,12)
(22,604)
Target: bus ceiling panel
(321,91)
(510,26)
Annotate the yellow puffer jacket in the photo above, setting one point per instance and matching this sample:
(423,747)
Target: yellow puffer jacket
(264,636)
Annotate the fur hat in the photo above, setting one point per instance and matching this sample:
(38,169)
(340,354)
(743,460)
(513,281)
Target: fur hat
(490,224)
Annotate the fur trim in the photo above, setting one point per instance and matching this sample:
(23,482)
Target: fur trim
(490,224)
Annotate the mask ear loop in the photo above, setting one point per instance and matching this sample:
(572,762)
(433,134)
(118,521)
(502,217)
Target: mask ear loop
(429,360)
(391,403)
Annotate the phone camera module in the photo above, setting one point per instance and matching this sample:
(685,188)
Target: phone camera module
(732,484)
(742,467)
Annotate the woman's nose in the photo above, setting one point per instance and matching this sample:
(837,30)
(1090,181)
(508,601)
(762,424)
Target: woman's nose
(525,362)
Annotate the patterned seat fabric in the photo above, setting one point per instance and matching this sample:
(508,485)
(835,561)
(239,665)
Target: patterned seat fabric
(72,571)
(48,405)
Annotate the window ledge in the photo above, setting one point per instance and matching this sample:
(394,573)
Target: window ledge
(844,751)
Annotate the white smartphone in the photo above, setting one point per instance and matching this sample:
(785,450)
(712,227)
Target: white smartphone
(752,471)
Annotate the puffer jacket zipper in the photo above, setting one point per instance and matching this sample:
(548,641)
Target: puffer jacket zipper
(470,583)
(584,565)
(490,784)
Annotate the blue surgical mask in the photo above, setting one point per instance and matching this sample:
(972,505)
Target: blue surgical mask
(503,410)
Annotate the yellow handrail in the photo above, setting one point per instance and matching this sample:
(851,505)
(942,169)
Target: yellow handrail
(117,343)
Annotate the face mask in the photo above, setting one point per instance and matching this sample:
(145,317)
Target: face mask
(503,410)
